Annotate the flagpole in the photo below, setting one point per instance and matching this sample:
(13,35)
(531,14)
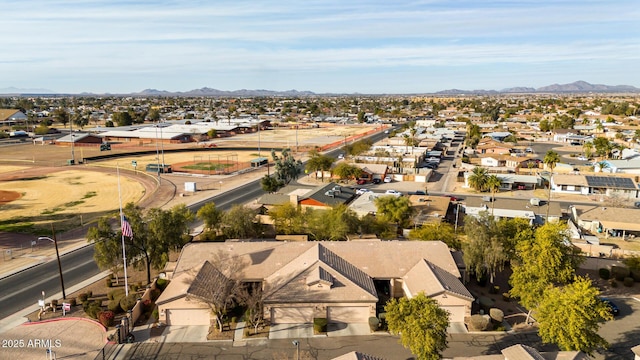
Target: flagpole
(124,253)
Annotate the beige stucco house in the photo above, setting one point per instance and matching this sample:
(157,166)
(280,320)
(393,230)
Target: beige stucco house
(343,281)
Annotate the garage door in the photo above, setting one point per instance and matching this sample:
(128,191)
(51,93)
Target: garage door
(348,314)
(292,315)
(188,317)
(456,313)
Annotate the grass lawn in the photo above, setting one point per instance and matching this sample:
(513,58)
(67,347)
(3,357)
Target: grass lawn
(207,166)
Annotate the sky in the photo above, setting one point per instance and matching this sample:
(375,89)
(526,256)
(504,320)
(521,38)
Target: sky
(330,46)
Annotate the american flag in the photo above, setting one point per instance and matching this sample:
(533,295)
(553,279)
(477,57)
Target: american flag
(126,228)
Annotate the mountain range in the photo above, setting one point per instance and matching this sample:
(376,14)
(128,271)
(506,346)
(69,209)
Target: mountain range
(574,87)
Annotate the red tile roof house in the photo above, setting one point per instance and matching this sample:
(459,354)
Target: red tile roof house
(343,281)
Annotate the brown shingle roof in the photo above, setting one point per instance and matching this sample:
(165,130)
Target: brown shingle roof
(209,284)
(433,280)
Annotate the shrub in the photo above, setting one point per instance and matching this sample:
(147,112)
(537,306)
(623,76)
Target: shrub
(134,287)
(83,297)
(635,274)
(479,323)
(374,322)
(494,289)
(89,294)
(114,305)
(628,282)
(162,284)
(109,282)
(506,297)
(72,301)
(155,293)
(115,294)
(128,302)
(92,308)
(234,319)
(613,283)
(156,314)
(604,273)
(619,272)
(54,302)
(106,318)
(320,325)
(496,315)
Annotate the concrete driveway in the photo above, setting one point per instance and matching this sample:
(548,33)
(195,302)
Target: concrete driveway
(290,331)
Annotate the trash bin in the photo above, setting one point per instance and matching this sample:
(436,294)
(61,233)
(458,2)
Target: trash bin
(71,162)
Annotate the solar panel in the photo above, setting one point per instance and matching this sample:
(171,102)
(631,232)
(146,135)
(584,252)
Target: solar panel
(610,182)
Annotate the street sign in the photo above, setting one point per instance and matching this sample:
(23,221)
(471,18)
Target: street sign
(66,306)
(134,163)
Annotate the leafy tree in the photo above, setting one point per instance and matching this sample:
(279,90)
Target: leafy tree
(512,232)
(493,184)
(319,162)
(154,115)
(394,209)
(347,171)
(546,260)
(484,252)
(211,216)
(122,118)
(107,246)
(478,178)
(358,147)
(603,146)
(286,167)
(551,158)
(62,116)
(270,184)
(239,223)
(570,316)
(544,125)
(333,224)
(421,323)
(288,219)
(588,149)
(436,232)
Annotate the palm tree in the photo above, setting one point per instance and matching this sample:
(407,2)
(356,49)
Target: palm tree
(551,158)
(493,184)
(478,178)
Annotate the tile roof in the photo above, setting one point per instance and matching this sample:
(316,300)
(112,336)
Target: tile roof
(433,280)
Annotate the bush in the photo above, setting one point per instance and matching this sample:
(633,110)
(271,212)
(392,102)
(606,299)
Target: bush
(89,294)
(496,315)
(162,284)
(72,302)
(128,302)
(134,287)
(156,314)
(109,282)
(479,323)
(54,302)
(106,318)
(619,272)
(374,323)
(82,298)
(92,308)
(506,297)
(613,283)
(114,305)
(635,274)
(155,293)
(604,273)
(628,282)
(234,319)
(494,289)
(115,294)
(320,325)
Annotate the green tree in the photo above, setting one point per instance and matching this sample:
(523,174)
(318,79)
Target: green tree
(493,184)
(512,232)
(551,158)
(288,219)
(270,184)
(478,178)
(570,316)
(62,116)
(154,115)
(484,252)
(439,231)
(421,324)
(394,209)
(286,167)
(210,216)
(319,162)
(347,171)
(588,149)
(107,246)
(122,118)
(239,223)
(333,224)
(546,260)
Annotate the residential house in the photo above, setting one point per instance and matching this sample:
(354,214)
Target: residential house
(429,209)
(373,171)
(342,281)
(513,208)
(569,184)
(493,161)
(12,116)
(490,146)
(626,166)
(524,352)
(327,196)
(611,221)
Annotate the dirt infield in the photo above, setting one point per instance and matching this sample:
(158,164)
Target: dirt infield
(8,196)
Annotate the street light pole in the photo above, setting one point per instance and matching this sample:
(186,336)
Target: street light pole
(297,344)
(55,242)
(457,214)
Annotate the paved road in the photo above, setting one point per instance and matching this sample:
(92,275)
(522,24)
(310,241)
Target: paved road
(25,288)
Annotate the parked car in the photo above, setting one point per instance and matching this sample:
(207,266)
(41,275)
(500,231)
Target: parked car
(361,181)
(432,165)
(387,179)
(613,308)
(340,156)
(582,158)
(393,192)
(453,198)
(376,181)
(636,204)
(417,192)
(362,191)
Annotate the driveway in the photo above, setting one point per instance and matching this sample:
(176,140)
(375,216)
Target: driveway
(290,331)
